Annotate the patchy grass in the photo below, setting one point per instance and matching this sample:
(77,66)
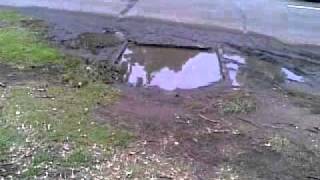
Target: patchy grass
(8,137)
(304,99)
(279,143)
(47,131)
(39,159)
(20,47)
(62,113)
(10,16)
(56,124)
(237,102)
(78,157)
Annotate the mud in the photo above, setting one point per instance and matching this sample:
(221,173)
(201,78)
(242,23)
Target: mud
(189,125)
(209,125)
(15,76)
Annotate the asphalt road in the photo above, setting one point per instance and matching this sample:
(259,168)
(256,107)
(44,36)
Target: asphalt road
(296,22)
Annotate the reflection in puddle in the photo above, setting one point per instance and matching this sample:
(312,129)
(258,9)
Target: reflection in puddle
(233,71)
(234,61)
(170,68)
(292,76)
(235,58)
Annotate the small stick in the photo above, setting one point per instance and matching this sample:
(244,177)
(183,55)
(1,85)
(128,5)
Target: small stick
(207,119)
(313,177)
(248,121)
(3,85)
(116,57)
(44,97)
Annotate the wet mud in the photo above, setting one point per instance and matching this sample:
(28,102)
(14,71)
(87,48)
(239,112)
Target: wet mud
(15,76)
(247,107)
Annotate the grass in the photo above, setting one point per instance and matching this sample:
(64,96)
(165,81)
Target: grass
(8,136)
(304,99)
(78,157)
(237,102)
(10,16)
(66,115)
(59,115)
(39,159)
(21,47)
(49,132)
(42,121)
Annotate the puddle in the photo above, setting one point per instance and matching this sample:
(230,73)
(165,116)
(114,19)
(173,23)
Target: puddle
(292,76)
(233,72)
(255,68)
(170,68)
(233,63)
(235,58)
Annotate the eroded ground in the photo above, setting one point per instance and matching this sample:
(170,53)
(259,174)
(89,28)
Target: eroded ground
(115,104)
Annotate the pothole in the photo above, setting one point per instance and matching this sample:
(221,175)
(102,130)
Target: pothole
(181,68)
(255,68)
(170,68)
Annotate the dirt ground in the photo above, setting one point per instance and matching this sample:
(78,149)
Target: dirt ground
(266,129)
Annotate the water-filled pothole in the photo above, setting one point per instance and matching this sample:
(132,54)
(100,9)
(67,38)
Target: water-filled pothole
(170,68)
(255,68)
(177,68)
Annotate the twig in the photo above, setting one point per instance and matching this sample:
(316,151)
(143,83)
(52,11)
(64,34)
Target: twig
(248,121)
(44,97)
(3,85)
(163,176)
(6,164)
(207,119)
(313,177)
(116,57)
(163,45)
(221,131)
(315,130)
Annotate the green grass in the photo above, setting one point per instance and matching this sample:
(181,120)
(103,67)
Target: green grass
(64,118)
(38,161)
(77,158)
(8,136)
(10,16)
(67,116)
(20,47)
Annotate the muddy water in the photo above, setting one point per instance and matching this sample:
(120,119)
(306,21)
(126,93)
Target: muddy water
(254,72)
(174,68)
(170,68)
(292,76)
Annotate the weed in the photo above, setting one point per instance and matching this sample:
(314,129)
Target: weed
(78,157)
(239,102)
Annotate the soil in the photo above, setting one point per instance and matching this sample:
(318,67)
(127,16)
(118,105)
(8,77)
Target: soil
(278,138)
